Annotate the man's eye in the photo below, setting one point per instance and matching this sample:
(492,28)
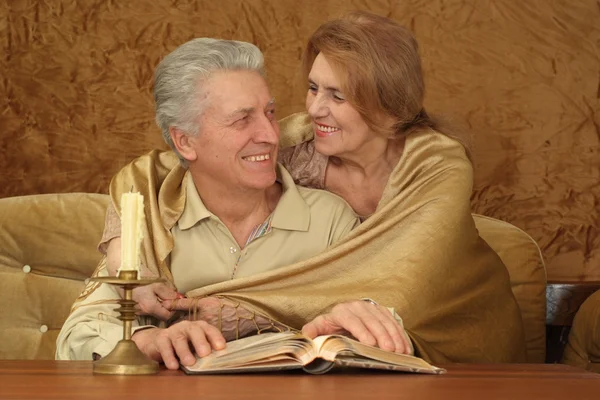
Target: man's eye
(313,88)
(271,114)
(241,121)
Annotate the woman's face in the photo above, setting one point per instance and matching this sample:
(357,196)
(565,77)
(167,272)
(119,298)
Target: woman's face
(339,128)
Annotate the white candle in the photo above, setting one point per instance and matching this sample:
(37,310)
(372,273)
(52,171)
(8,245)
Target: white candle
(132,215)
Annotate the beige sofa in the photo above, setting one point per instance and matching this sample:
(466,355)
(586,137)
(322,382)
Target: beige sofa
(48,248)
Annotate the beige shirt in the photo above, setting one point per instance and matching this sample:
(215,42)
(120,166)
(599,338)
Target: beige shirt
(304,223)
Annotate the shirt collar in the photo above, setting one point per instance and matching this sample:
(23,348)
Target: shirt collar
(291,213)
(194,210)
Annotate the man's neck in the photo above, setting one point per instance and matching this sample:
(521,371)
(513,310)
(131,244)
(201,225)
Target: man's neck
(239,209)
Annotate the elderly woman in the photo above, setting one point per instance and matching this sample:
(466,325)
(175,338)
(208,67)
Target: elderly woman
(368,139)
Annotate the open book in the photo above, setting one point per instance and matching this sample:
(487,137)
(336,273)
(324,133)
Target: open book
(289,350)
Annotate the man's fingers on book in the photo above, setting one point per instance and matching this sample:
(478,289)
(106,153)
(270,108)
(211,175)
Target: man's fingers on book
(165,348)
(183,351)
(194,334)
(215,337)
(206,337)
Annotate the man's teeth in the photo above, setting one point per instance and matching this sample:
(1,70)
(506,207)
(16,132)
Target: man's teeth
(261,157)
(327,128)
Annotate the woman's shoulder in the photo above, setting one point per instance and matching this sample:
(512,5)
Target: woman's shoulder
(431,147)
(306,165)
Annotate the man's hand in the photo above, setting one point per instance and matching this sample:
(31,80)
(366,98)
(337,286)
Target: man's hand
(234,320)
(369,323)
(208,309)
(168,345)
(150,300)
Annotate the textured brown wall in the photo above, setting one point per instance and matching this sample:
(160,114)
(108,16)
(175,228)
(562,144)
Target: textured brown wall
(521,76)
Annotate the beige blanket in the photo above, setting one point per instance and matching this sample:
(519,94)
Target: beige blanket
(419,253)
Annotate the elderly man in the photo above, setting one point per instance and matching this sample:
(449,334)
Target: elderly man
(228,211)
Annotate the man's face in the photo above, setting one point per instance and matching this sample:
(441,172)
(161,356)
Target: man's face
(236,147)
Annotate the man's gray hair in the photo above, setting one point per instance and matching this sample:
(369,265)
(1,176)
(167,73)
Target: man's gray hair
(178,79)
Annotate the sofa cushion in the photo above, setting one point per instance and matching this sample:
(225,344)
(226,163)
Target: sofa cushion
(523,259)
(48,250)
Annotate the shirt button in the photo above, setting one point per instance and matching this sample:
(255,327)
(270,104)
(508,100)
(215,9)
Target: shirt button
(26,269)
(232,250)
(43,328)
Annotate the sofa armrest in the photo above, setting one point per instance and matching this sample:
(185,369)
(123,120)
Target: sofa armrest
(48,250)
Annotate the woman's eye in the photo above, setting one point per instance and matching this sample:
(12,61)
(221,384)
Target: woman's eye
(338,97)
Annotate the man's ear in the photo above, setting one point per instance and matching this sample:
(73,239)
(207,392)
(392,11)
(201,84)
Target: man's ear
(183,143)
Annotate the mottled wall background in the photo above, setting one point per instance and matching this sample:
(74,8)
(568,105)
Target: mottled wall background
(521,76)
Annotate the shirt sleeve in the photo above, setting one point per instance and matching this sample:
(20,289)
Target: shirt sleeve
(92,327)
(112,228)
(348,221)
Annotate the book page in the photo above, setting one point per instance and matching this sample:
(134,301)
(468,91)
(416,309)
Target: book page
(273,349)
(345,351)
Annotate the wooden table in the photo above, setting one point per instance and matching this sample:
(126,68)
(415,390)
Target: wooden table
(75,380)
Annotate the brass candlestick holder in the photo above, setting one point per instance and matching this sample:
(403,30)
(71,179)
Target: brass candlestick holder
(126,358)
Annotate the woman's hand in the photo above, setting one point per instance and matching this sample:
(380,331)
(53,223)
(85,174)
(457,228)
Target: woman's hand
(368,322)
(173,343)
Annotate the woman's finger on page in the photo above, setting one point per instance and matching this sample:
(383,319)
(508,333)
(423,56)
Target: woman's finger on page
(393,328)
(322,325)
(399,329)
(375,321)
(350,318)
(311,329)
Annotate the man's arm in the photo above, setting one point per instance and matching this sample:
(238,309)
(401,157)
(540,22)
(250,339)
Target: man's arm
(232,319)
(92,327)
(148,298)
(179,342)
